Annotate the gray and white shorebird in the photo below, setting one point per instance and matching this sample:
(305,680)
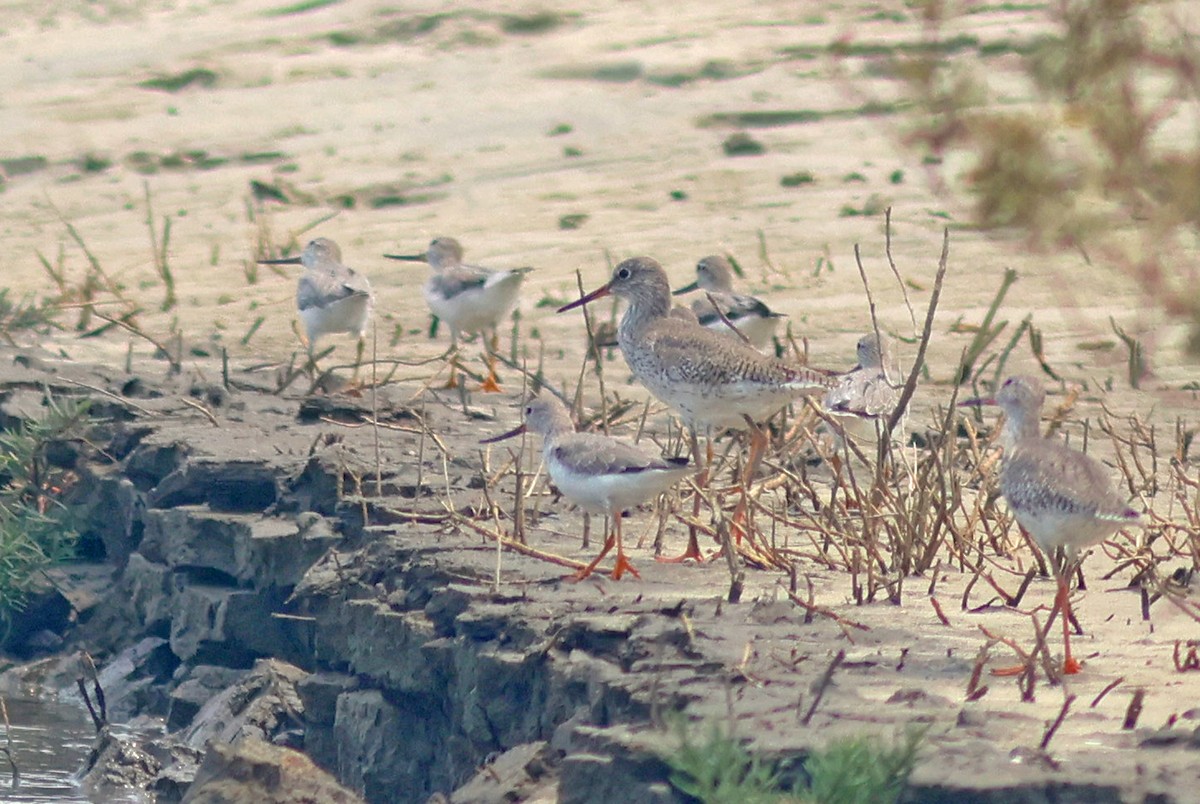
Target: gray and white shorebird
(751,316)
(1060,496)
(331,298)
(865,395)
(597,472)
(714,382)
(469,298)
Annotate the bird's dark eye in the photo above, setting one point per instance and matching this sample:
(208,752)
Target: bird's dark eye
(623,273)
(529,411)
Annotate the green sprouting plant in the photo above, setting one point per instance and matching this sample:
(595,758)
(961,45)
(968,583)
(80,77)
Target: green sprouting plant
(34,531)
(862,770)
(24,315)
(859,770)
(160,251)
(719,769)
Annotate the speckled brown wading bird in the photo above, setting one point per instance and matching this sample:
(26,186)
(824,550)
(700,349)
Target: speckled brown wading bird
(469,298)
(1060,496)
(330,297)
(597,472)
(751,316)
(713,381)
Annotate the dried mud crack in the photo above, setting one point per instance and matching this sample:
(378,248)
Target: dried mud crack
(250,584)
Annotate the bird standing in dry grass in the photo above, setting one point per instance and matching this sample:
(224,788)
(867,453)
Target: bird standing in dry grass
(1060,496)
(597,472)
(469,298)
(713,381)
(330,297)
(865,394)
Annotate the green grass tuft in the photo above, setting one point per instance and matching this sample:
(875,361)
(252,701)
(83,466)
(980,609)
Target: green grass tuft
(21,165)
(35,533)
(797,179)
(718,769)
(174,83)
(301,7)
(94,163)
(742,144)
(538,22)
(573,221)
(862,770)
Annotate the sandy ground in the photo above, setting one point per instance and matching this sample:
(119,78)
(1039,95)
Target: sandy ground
(456,114)
(459,118)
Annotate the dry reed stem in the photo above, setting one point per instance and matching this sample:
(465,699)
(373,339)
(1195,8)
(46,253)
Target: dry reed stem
(524,549)
(821,685)
(1058,721)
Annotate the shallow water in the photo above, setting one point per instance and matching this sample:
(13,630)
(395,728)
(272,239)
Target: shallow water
(50,741)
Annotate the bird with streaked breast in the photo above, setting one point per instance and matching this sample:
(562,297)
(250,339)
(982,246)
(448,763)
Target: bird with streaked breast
(713,381)
(864,395)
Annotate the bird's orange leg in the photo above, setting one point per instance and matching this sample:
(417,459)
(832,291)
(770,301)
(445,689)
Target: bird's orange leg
(693,548)
(1062,607)
(1063,604)
(758,446)
(491,385)
(586,571)
(622,566)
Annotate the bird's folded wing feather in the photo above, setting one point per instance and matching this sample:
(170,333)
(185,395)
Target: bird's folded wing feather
(1060,479)
(862,393)
(685,353)
(321,289)
(449,284)
(592,453)
(738,306)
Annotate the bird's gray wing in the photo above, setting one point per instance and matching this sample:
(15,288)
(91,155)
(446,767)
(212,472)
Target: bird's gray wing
(357,284)
(321,289)
(679,351)
(592,453)
(451,283)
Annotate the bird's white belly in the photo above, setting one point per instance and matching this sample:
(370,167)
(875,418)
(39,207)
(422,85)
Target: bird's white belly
(861,429)
(611,493)
(1051,529)
(721,406)
(478,309)
(349,315)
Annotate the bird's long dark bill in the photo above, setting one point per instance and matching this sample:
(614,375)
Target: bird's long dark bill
(406,257)
(977,402)
(516,431)
(687,289)
(285,261)
(598,293)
